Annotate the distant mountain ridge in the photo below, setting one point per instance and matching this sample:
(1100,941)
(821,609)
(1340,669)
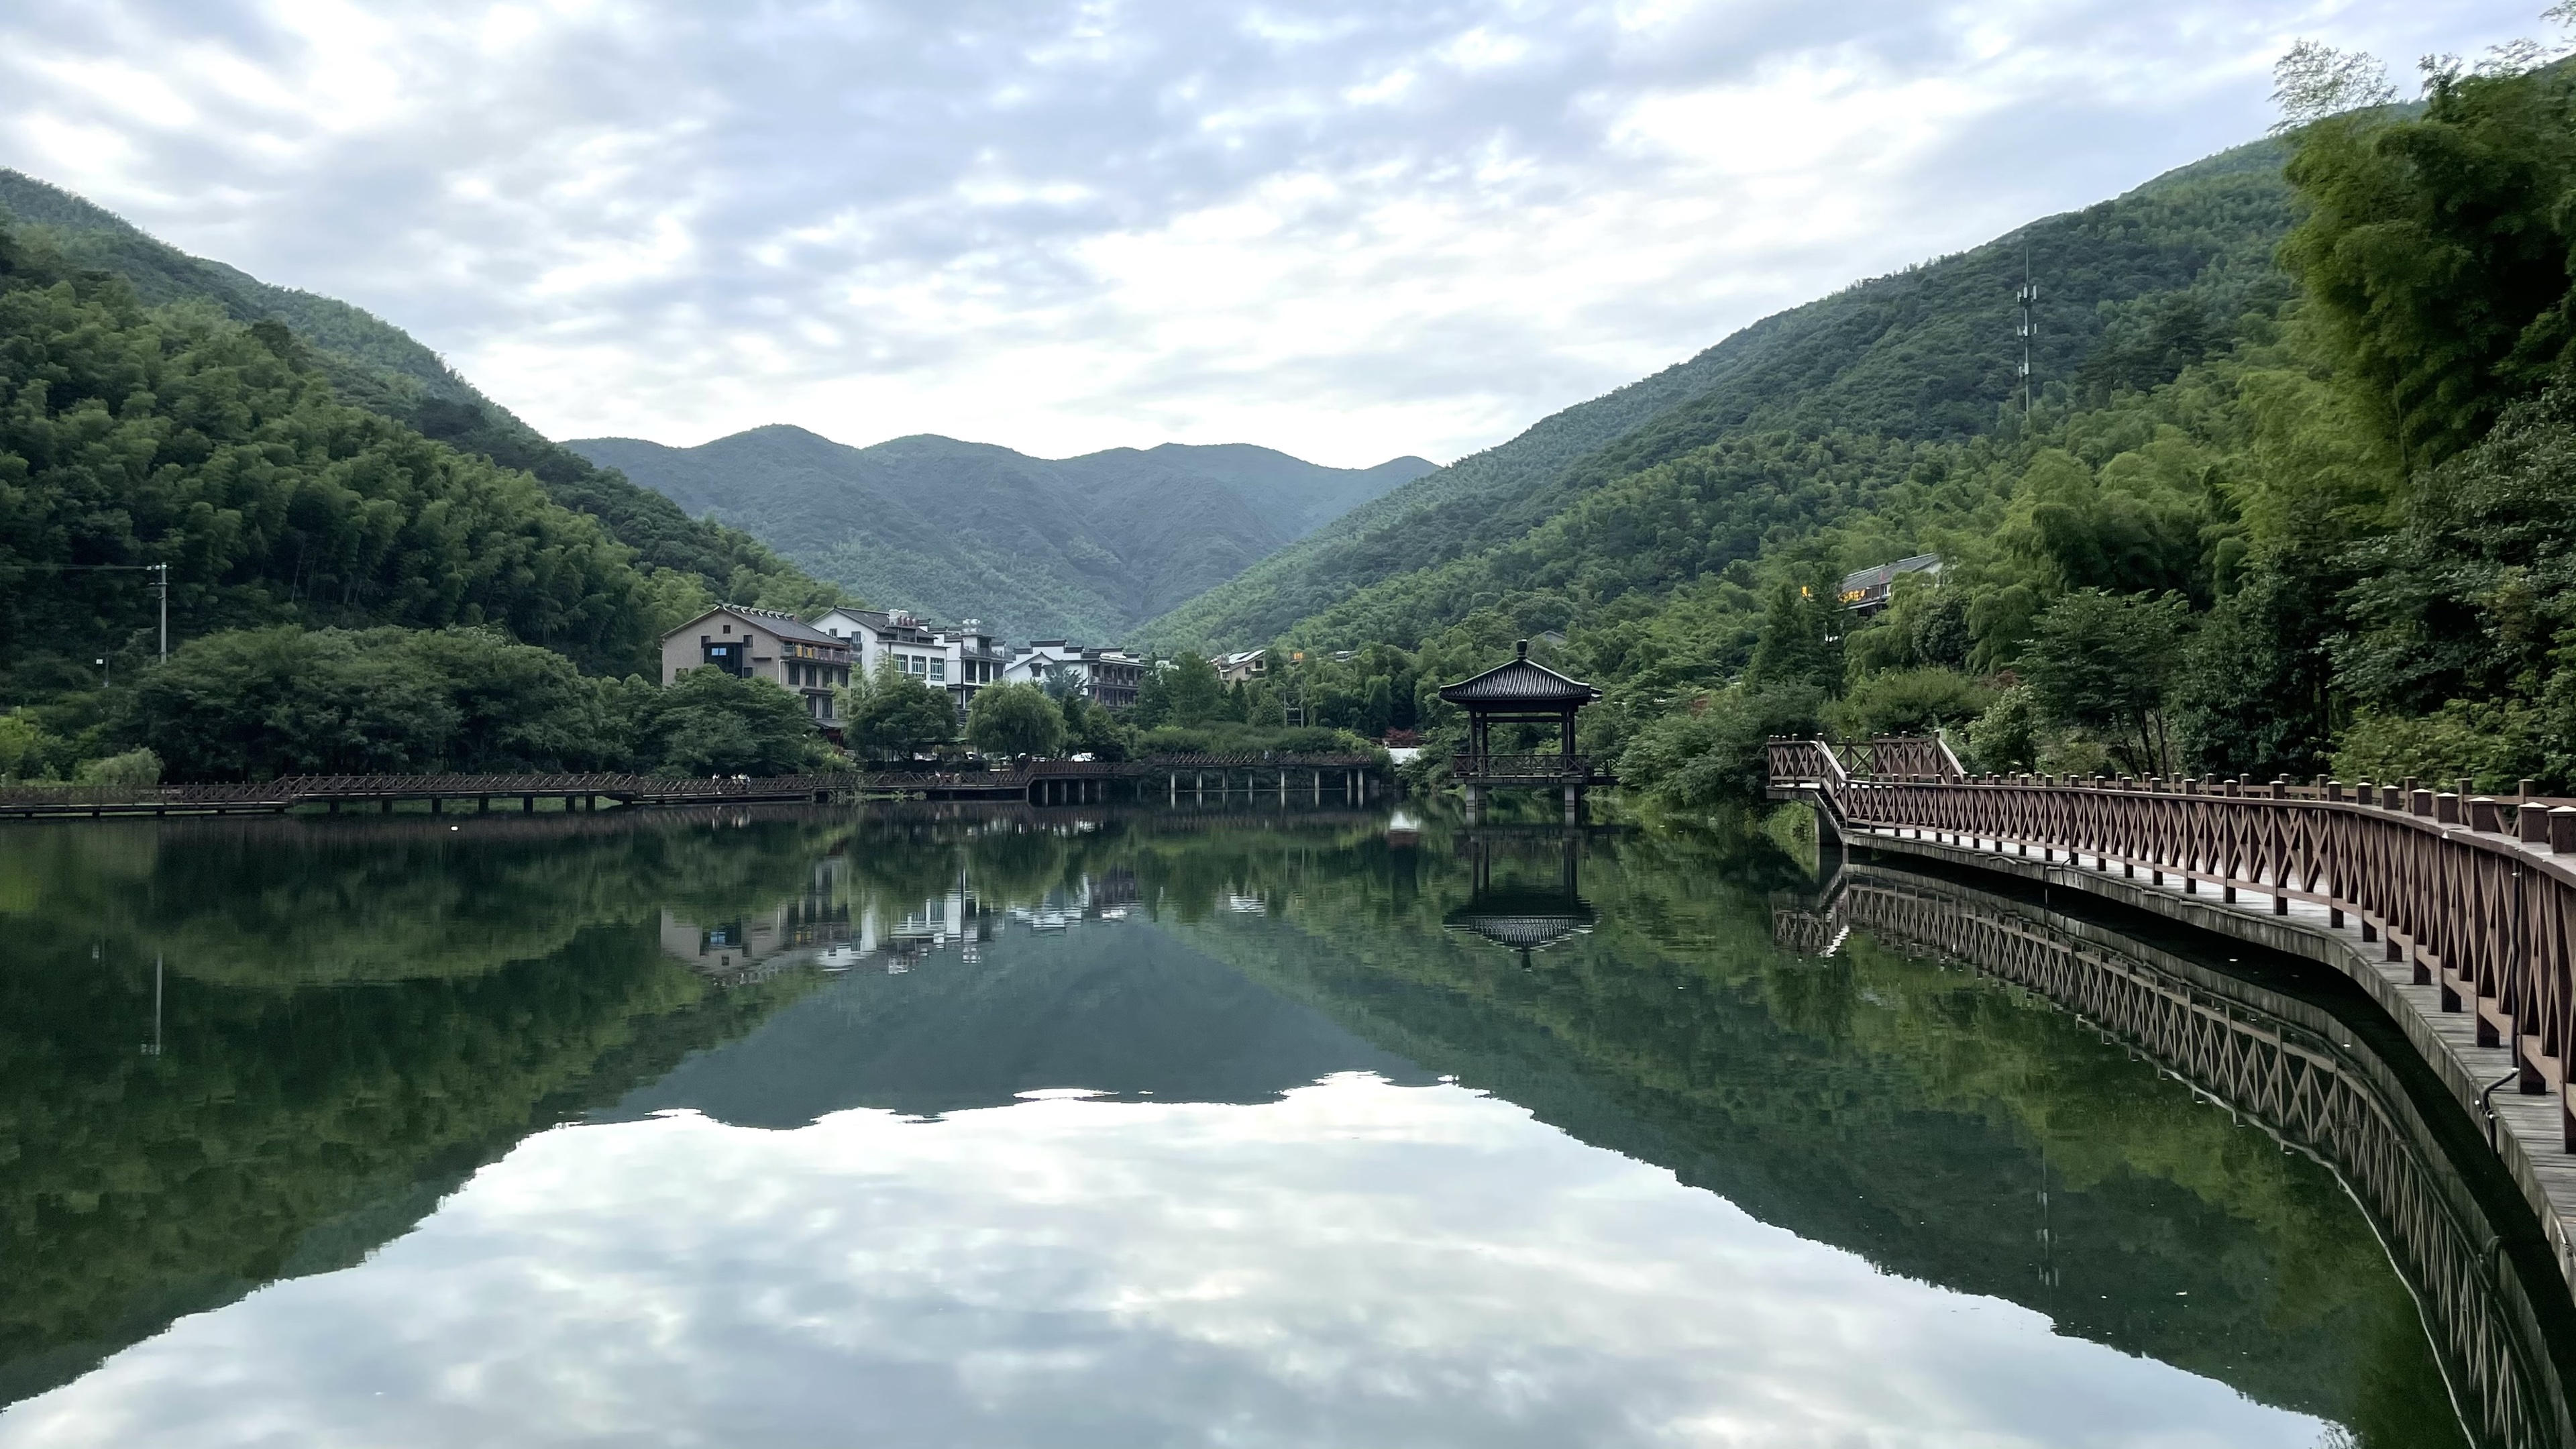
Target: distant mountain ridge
(1086,547)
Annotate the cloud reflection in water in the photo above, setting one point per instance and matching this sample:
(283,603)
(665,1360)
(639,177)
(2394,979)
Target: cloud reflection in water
(1358,1264)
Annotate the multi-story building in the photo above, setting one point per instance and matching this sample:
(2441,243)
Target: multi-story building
(975,658)
(1238,667)
(958,661)
(876,634)
(763,644)
(1107,677)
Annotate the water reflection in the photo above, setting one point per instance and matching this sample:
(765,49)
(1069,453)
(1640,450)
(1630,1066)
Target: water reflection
(989,1125)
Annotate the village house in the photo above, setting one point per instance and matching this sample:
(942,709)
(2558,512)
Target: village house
(1241,666)
(1106,677)
(1873,589)
(753,643)
(876,634)
(975,658)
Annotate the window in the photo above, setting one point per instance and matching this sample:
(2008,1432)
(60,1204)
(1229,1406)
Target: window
(939,670)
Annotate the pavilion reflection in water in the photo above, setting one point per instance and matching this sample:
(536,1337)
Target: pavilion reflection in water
(1536,903)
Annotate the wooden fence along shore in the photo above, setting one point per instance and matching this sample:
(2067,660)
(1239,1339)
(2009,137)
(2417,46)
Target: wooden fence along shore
(1043,782)
(2471,896)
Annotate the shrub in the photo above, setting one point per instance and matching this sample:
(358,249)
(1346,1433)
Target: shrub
(137,769)
(2495,746)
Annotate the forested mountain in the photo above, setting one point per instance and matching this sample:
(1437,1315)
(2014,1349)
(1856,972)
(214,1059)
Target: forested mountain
(2294,498)
(133,435)
(1926,355)
(1084,547)
(376,366)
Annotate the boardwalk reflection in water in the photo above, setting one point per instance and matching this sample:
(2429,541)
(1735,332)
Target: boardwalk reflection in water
(2294,1064)
(994,1125)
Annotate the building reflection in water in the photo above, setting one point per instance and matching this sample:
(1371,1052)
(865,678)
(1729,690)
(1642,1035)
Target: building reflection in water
(820,927)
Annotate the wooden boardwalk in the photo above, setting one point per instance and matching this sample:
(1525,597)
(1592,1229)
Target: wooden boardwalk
(2291,1068)
(384,792)
(2458,915)
(1345,779)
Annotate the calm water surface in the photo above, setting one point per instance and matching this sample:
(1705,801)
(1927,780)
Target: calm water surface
(1006,1127)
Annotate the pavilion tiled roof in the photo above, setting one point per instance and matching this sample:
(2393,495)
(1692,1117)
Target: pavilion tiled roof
(1520,682)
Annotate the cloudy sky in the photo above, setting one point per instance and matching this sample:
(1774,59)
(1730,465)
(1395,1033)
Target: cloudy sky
(1344,228)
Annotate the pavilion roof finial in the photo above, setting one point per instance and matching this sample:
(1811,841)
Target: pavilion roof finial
(1521,649)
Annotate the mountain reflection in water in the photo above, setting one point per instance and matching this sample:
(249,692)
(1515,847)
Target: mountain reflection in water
(984,1125)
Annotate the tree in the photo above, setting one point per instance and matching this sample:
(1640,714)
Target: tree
(2105,661)
(1093,730)
(254,704)
(257,703)
(2436,251)
(1798,647)
(897,714)
(1011,720)
(712,723)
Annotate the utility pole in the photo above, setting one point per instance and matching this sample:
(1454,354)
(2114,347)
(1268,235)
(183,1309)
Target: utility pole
(161,586)
(2028,297)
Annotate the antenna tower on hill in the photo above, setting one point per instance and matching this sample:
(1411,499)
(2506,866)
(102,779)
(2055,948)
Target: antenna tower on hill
(2028,296)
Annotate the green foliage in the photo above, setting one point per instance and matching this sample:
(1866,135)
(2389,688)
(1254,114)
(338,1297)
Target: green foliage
(374,365)
(893,714)
(1235,738)
(709,722)
(1013,720)
(2006,738)
(1094,730)
(1715,753)
(2497,746)
(1182,691)
(2436,247)
(136,769)
(26,750)
(131,437)
(1910,702)
(1798,646)
(2468,596)
(254,704)
(2146,526)
(2106,662)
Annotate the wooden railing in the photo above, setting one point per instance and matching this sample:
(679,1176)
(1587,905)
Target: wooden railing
(2478,894)
(1521,767)
(291,790)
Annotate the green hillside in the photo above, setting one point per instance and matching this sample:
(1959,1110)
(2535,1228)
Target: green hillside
(133,435)
(1926,355)
(1083,547)
(2294,498)
(376,366)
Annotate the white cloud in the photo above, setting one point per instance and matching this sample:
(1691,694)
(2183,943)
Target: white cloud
(1356,1264)
(1347,230)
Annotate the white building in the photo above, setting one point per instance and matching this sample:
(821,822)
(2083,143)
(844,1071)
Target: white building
(959,661)
(1107,677)
(975,659)
(876,634)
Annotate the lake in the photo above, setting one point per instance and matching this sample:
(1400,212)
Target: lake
(965,1125)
